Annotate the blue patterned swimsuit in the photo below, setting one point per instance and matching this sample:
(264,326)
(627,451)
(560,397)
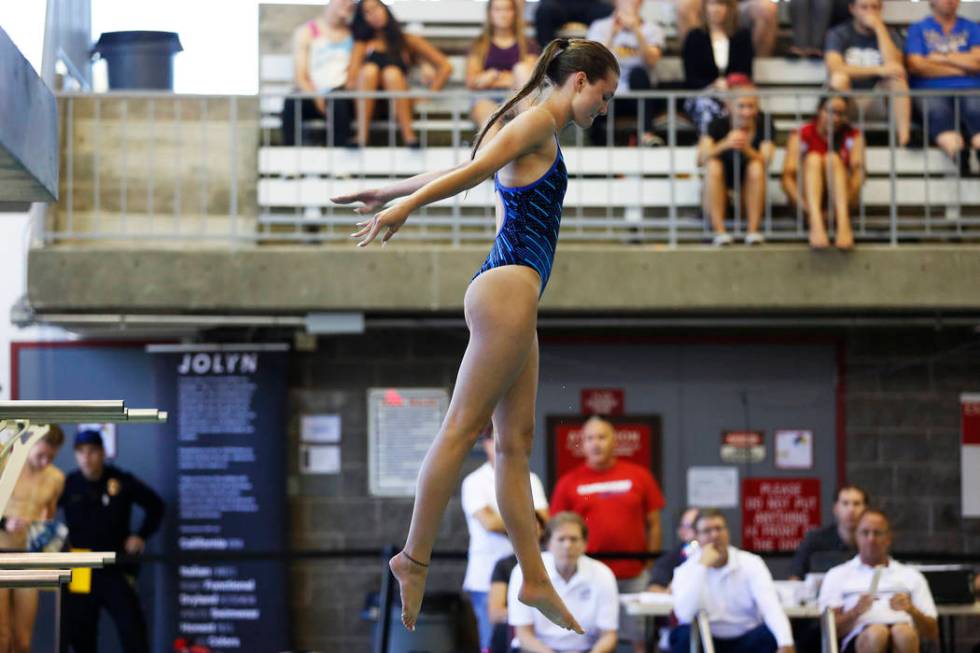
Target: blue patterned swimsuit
(532,215)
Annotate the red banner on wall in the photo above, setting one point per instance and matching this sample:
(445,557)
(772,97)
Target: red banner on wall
(637,439)
(777,512)
(970,454)
(970,416)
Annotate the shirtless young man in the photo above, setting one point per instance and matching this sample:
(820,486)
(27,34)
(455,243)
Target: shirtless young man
(35,498)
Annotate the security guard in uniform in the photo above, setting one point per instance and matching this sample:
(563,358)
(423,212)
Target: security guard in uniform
(98,501)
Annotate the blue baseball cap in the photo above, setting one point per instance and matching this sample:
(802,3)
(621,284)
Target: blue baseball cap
(88,437)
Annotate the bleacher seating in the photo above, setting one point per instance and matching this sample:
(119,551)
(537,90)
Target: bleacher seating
(610,191)
(623,183)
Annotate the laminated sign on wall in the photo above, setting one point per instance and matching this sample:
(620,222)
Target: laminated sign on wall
(402,423)
(794,449)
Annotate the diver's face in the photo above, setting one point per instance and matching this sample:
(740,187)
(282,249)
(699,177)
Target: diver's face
(591,100)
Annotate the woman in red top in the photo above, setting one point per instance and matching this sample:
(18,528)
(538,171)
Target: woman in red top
(840,171)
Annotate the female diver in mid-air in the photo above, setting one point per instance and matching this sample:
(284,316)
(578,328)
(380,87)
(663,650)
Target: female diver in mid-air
(499,373)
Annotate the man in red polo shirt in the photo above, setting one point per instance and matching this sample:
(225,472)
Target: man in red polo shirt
(620,502)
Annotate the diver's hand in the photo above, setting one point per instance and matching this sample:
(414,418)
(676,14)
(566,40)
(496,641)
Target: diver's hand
(391,219)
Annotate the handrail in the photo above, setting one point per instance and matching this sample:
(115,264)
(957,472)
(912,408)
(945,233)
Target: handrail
(70,411)
(93,560)
(19,415)
(192,184)
(45,579)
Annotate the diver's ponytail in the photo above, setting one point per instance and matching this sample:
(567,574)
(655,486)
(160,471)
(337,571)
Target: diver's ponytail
(553,51)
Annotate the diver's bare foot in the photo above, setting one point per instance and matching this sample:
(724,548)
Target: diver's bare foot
(844,240)
(544,598)
(411,576)
(818,239)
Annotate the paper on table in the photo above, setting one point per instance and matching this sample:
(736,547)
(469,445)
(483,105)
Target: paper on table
(875,579)
(648,597)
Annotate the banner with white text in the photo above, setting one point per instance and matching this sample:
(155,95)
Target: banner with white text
(227,449)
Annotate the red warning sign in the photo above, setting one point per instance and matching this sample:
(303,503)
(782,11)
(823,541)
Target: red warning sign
(778,512)
(743,446)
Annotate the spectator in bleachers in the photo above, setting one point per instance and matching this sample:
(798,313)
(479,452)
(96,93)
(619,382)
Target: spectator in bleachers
(826,545)
(944,53)
(711,52)
(621,502)
(321,58)
(838,173)
(735,590)
(587,586)
(759,16)
(637,45)
(501,58)
(488,537)
(735,154)
(552,14)
(879,604)
(810,20)
(663,571)
(381,59)
(864,55)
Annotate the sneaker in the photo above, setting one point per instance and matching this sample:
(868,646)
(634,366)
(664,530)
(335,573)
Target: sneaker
(652,140)
(722,240)
(312,213)
(754,238)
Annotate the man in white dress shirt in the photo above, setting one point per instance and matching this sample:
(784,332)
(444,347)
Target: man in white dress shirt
(878,602)
(587,587)
(488,537)
(734,588)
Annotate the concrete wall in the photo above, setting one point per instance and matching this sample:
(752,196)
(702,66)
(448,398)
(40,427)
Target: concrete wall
(902,389)
(134,165)
(426,279)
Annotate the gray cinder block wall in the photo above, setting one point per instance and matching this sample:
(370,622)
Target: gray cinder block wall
(902,417)
(903,426)
(336,512)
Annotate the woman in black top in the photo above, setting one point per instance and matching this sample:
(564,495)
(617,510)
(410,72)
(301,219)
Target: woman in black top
(711,53)
(381,58)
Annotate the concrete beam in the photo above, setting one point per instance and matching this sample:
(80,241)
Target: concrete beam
(28,130)
(599,279)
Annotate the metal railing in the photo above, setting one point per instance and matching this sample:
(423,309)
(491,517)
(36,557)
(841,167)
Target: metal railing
(164,167)
(702,642)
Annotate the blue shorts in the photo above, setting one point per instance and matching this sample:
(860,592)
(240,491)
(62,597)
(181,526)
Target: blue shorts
(939,114)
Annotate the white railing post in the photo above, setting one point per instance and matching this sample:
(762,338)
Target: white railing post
(828,631)
(704,630)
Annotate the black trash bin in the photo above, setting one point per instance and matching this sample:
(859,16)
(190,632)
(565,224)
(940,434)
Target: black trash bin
(139,60)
